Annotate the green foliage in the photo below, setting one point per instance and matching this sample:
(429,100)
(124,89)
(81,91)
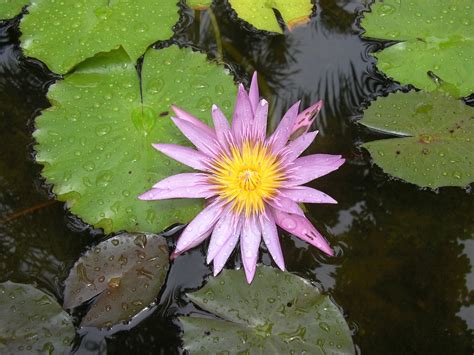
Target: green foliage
(126,272)
(437,141)
(62,33)
(279,313)
(260,14)
(436,37)
(11,8)
(95,140)
(32,322)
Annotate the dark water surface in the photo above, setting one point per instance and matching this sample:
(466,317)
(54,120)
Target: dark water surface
(403,272)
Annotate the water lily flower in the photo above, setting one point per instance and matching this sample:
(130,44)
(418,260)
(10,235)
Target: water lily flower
(252,182)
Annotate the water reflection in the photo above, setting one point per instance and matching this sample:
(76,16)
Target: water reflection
(325,59)
(466,312)
(404,277)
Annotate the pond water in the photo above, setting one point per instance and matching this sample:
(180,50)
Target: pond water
(403,270)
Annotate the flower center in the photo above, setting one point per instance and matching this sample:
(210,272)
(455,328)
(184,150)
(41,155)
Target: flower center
(247,176)
(249,179)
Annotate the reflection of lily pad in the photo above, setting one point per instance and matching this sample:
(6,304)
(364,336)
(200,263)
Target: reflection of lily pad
(437,38)
(64,33)
(199,4)
(279,313)
(126,272)
(95,141)
(32,321)
(261,15)
(11,8)
(437,141)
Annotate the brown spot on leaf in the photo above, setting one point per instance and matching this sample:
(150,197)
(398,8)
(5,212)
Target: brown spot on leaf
(114,282)
(425,138)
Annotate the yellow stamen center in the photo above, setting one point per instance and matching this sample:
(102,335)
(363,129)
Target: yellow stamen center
(247,177)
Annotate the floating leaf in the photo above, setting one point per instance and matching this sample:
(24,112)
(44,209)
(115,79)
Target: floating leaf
(63,34)
(438,138)
(279,313)
(261,15)
(32,321)
(11,8)
(126,272)
(437,42)
(199,4)
(95,141)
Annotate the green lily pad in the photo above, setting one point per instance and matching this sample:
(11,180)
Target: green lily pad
(126,272)
(437,138)
(261,15)
(95,140)
(63,34)
(11,8)
(31,321)
(436,37)
(279,313)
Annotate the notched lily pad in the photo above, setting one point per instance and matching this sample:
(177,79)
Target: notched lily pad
(63,33)
(437,138)
(261,15)
(31,321)
(125,272)
(11,8)
(95,142)
(437,42)
(279,313)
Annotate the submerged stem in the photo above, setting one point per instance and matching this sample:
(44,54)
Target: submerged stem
(27,211)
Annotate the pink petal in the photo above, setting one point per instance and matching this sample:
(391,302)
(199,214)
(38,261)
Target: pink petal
(311,167)
(299,145)
(260,120)
(270,237)
(221,258)
(249,244)
(182,180)
(281,135)
(307,194)
(221,125)
(305,120)
(199,228)
(222,232)
(203,141)
(193,120)
(185,155)
(302,228)
(286,205)
(199,191)
(243,115)
(254,95)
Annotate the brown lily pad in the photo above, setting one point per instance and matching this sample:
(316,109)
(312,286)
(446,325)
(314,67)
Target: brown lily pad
(125,272)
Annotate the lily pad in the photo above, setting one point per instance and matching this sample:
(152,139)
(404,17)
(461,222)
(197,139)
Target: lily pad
(63,34)
(437,42)
(279,313)
(95,140)
(126,272)
(261,15)
(11,8)
(437,141)
(31,321)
